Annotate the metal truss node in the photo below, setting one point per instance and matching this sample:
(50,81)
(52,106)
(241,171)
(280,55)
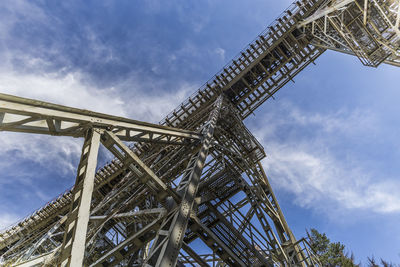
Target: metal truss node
(195,178)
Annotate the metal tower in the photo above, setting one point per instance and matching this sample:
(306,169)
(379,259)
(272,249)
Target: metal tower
(195,177)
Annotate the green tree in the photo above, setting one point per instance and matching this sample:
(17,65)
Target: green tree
(373,263)
(331,254)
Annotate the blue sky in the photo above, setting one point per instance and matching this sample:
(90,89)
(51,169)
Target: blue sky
(331,137)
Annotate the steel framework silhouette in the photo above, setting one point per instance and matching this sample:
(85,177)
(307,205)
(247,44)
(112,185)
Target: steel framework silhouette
(197,176)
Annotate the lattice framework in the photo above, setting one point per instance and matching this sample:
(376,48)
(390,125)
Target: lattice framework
(197,176)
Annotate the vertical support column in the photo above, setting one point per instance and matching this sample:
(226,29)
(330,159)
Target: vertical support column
(169,238)
(73,247)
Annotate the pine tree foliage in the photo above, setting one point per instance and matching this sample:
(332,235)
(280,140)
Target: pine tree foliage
(372,263)
(333,254)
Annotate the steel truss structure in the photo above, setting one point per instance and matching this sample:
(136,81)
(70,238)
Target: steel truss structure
(196,177)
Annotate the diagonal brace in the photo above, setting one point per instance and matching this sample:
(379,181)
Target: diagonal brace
(130,160)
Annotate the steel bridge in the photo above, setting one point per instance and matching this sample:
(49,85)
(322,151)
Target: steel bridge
(197,176)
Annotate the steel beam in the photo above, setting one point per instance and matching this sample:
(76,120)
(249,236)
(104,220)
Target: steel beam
(19,114)
(135,241)
(46,236)
(37,261)
(194,255)
(192,112)
(267,189)
(131,161)
(367,29)
(136,216)
(215,243)
(73,247)
(325,11)
(145,178)
(169,239)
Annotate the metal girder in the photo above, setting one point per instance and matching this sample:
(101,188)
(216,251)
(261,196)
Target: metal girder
(19,114)
(264,58)
(224,233)
(131,243)
(253,255)
(368,29)
(205,257)
(267,53)
(136,216)
(393,61)
(263,203)
(145,175)
(37,261)
(143,178)
(261,192)
(336,5)
(43,239)
(257,203)
(215,243)
(194,255)
(131,161)
(73,247)
(169,239)
(269,193)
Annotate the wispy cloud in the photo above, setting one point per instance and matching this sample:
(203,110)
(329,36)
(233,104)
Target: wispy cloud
(220,52)
(26,159)
(134,99)
(61,152)
(319,180)
(7,219)
(53,63)
(309,158)
(67,89)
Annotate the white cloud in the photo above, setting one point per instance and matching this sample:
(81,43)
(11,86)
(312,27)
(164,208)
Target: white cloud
(62,152)
(321,181)
(133,99)
(313,171)
(59,153)
(36,78)
(51,153)
(66,90)
(220,52)
(13,11)
(6,219)
(152,106)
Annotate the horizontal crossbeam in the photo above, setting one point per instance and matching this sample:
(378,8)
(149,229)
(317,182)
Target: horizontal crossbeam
(19,114)
(133,216)
(325,11)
